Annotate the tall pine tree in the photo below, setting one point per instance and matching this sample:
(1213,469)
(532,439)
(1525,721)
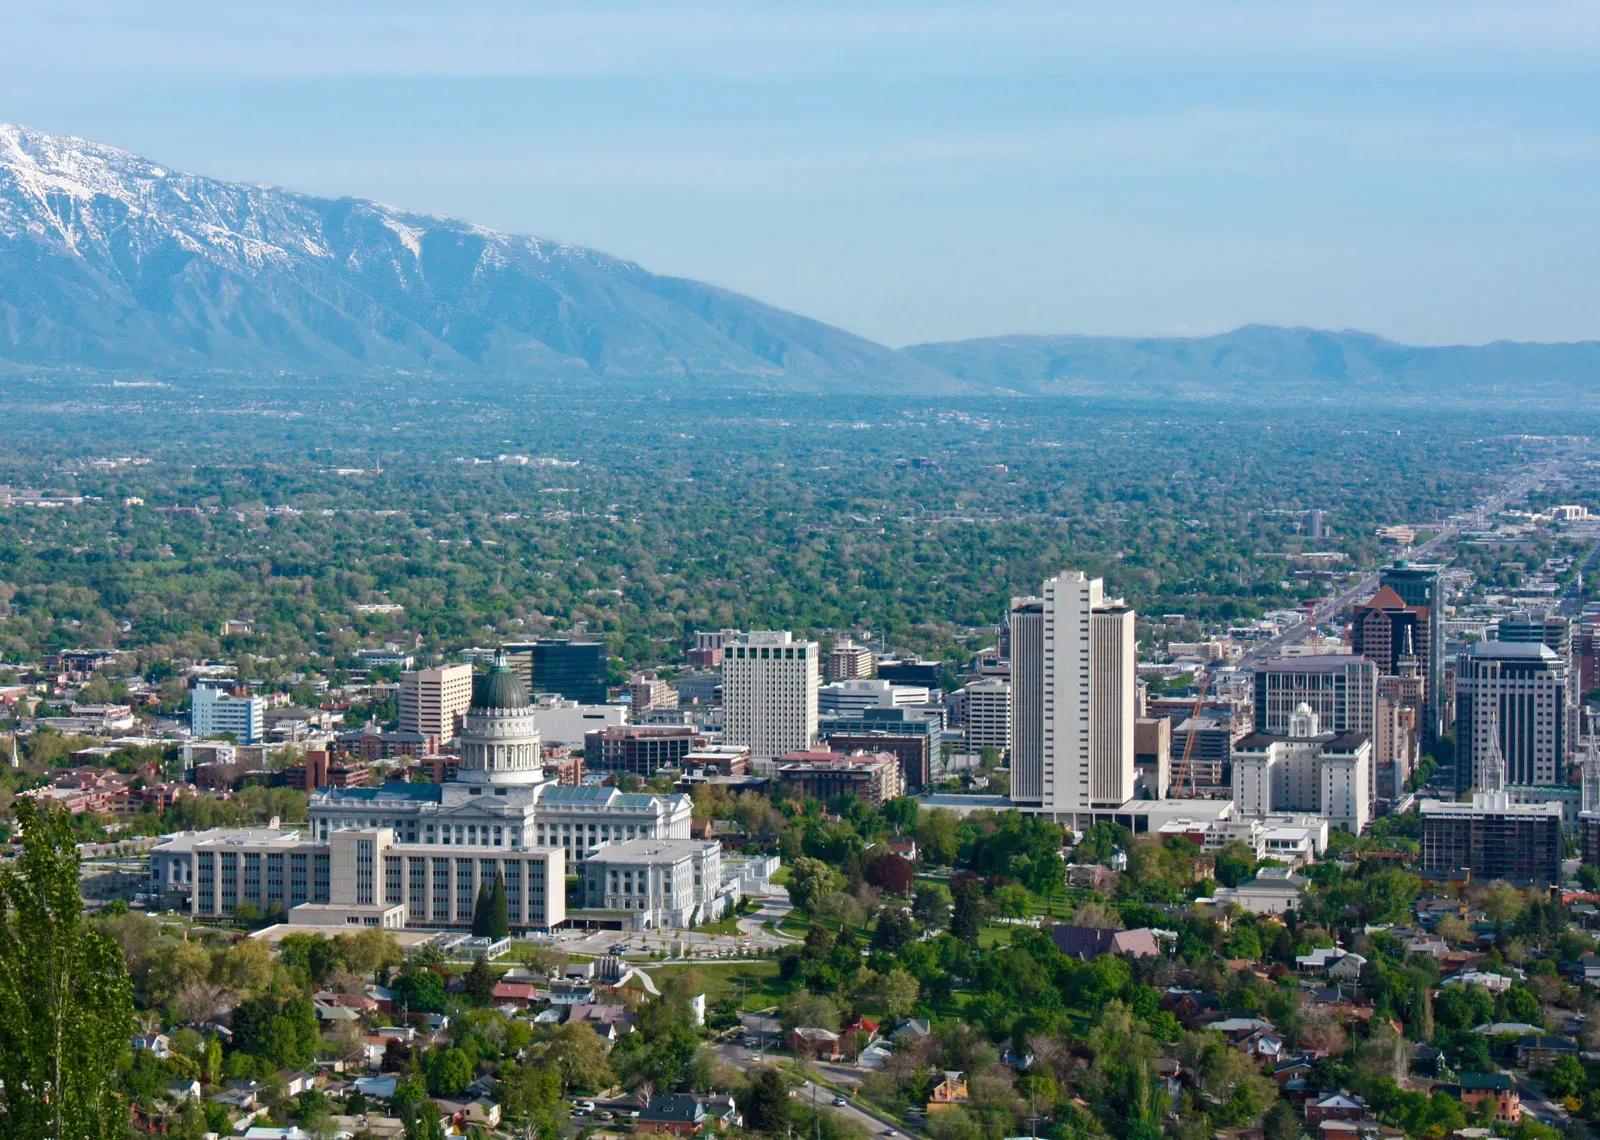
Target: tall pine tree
(499,920)
(480,912)
(66,1006)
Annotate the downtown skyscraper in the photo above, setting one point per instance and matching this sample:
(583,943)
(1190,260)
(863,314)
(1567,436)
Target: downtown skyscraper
(1073,654)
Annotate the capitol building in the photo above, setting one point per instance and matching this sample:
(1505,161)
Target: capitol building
(415,854)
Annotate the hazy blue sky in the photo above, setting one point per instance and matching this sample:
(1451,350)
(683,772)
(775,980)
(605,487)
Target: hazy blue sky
(1429,171)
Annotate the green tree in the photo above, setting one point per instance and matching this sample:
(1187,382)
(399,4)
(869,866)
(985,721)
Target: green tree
(480,912)
(970,908)
(66,1006)
(531,1096)
(576,1051)
(480,981)
(766,1105)
(448,1071)
(499,920)
(425,1124)
(810,881)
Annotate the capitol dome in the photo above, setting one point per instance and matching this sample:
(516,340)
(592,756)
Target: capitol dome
(499,736)
(499,688)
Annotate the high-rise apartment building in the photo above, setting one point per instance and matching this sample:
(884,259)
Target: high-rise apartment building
(847,661)
(1073,660)
(1511,698)
(572,669)
(769,694)
(1422,586)
(1493,838)
(650,691)
(433,701)
(989,715)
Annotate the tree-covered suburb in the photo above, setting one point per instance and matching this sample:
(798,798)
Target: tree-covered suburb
(66,1010)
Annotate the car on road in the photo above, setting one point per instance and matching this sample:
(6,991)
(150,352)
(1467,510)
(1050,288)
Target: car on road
(888,1132)
(583,1108)
(838,1102)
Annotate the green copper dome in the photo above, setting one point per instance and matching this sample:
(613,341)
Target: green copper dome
(499,688)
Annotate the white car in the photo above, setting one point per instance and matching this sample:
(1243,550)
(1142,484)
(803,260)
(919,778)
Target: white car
(583,1108)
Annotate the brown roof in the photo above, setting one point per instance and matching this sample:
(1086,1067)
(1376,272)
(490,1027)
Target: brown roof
(1384,599)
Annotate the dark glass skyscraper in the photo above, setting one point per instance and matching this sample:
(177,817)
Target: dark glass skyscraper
(573,669)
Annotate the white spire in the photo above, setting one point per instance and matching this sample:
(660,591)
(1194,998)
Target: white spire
(1493,769)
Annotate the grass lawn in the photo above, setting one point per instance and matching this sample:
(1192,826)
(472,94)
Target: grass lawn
(729,925)
(780,877)
(756,979)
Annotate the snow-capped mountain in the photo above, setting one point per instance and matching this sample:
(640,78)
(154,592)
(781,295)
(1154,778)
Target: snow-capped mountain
(109,260)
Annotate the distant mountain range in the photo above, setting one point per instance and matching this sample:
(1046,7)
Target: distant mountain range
(1257,358)
(109,261)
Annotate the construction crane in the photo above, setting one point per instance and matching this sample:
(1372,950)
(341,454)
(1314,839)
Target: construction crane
(1185,766)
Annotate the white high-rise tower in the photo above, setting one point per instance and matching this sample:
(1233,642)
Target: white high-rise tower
(769,693)
(1073,657)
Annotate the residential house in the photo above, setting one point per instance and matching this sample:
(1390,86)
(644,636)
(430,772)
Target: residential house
(949,1092)
(1086,943)
(158,1045)
(1498,1089)
(180,1091)
(721,1111)
(1336,1106)
(523,995)
(1537,1050)
(676,1114)
(295,1082)
(814,1041)
(609,1021)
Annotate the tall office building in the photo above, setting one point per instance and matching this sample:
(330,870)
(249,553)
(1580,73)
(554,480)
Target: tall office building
(1547,627)
(1073,659)
(1422,586)
(572,669)
(1025,644)
(1511,697)
(989,715)
(213,712)
(769,694)
(433,701)
(1341,689)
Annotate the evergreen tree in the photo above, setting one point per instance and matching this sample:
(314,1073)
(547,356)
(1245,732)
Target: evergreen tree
(66,1010)
(499,921)
(968,913)
(480,912)
(480,982)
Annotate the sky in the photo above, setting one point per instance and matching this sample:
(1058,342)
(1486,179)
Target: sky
(915,171)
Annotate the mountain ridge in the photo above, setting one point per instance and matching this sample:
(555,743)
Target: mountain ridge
(113,262)
(109,260)
(1255,354)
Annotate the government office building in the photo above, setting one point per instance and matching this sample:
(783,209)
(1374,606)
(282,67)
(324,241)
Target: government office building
(416,854)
